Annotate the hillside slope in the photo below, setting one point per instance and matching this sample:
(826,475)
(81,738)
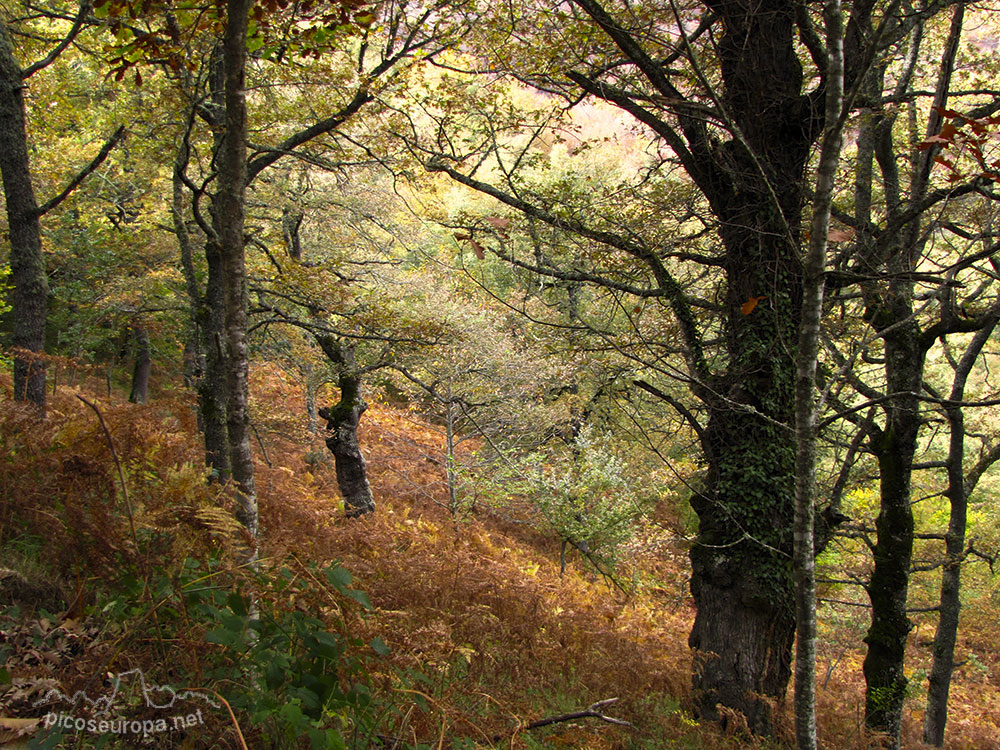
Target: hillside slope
(484,634)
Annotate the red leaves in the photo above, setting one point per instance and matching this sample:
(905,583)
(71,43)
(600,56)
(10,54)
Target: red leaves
(970,137)
(478,249)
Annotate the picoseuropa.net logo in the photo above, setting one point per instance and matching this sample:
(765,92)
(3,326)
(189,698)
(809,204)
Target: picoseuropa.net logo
(130,707)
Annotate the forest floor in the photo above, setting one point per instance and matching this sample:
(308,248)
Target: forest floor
(485,634)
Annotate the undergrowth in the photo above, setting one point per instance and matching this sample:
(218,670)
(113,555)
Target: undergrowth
(466,632)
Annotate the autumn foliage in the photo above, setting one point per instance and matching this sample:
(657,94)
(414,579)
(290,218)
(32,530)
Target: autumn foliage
(484,635)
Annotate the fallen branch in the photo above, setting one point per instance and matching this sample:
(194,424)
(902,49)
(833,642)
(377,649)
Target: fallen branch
(593,711)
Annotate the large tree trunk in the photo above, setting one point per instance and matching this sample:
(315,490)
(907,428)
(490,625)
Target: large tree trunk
(229,215)
(27,265)
(342,422)
(143,365)
(741,574)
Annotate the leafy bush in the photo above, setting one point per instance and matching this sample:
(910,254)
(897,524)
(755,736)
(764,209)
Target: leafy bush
(274,648)
(584,496)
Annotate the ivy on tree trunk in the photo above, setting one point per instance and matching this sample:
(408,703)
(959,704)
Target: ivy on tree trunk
(342,422)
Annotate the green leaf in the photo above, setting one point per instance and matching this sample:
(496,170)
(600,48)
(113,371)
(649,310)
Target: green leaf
(379,647)
(292,714)
(223,637)
(360,597)
(238,604)
(339,578)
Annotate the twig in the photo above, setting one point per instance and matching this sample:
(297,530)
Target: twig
(260,442)
(232,716)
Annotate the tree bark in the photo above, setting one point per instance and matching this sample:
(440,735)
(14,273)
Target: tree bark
(143,365)
(342,422)
(195,345)
(890,311)
(27,265)
(741,574)
(806,407)
(943,662)
(229,211)
(894,446)
(291,221)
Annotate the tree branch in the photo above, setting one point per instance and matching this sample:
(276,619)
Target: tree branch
(78,23)
(84,173)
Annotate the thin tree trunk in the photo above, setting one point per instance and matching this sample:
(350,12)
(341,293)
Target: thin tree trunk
(449,436)
(143,365)
(195,345)
(291,221)
(890,626)
(229,206)
(213,388)
(311,414)
(943,663)
(804,554)
(27,265)
(209,311)
(906,348)
(342,422)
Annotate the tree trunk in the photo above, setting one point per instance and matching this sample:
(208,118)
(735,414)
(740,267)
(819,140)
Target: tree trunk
(449,447)
(806,408)
(741,560)
(27,265)
(291,221)
(894,446)
(195,345)
(889,310)
(209,311)
(943,663)
(229,215)
(745,620)
(143,366)
(342,422)
(311,414)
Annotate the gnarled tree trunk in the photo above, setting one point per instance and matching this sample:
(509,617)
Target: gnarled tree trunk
(342,422)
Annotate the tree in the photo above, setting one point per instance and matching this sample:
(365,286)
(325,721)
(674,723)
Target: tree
(222,316)
(960,486)
(30,296)
(885,261)
(740,120)
(342,422)
(806,409)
